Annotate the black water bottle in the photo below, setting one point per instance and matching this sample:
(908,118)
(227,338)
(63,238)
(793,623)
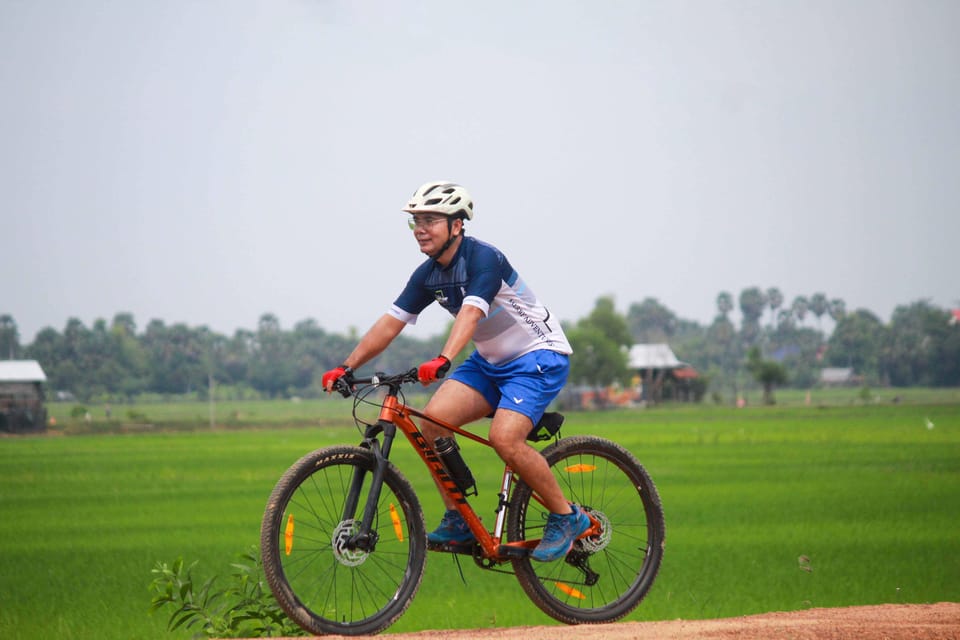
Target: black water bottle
(449,453)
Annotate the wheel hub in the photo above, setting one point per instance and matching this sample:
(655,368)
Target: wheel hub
(341,538)
(593,544)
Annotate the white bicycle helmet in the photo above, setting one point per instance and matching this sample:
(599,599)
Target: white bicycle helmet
(442,197)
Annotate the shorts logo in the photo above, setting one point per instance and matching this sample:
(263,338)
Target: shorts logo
(517,400)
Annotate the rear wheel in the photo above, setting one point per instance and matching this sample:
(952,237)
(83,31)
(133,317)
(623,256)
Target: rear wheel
(604,577)
(323,581)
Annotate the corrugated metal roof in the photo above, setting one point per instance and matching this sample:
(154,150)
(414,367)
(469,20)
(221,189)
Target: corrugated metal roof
(836,374)
(21,371)
(653,356)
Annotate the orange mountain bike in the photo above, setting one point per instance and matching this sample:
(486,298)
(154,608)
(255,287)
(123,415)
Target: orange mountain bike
(344,544)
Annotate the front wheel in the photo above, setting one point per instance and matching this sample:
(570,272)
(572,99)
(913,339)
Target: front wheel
(605,576)
(323,581)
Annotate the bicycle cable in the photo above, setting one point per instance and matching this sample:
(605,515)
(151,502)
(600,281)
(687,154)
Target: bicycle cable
(361,396)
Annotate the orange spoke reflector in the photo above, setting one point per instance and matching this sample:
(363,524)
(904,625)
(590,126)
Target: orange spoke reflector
(397,527)
(570,591)
(581,468)
(288,535)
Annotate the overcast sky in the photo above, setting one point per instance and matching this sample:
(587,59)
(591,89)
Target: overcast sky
(208,162)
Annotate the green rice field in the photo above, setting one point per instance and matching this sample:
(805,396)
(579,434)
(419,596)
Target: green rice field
(847,500)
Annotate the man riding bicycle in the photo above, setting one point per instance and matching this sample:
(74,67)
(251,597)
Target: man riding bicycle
(520,364)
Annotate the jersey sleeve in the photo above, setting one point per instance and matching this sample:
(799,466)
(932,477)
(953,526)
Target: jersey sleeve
(485,269)
(413,299)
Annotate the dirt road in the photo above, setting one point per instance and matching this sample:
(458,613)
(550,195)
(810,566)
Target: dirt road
(885,622)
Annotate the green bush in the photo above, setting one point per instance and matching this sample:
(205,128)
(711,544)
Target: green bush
(244,609)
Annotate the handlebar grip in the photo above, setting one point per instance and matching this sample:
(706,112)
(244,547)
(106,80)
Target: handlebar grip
(344,386)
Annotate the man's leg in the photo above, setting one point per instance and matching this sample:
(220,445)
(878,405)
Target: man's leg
(457,404)
(565,522)
(508,434)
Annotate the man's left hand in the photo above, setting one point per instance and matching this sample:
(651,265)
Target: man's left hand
(432,370)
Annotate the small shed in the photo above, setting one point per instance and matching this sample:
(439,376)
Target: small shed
(22,407)
(839,377)
(655,364)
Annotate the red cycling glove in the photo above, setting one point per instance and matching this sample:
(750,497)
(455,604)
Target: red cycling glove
(330,377)
(431,370)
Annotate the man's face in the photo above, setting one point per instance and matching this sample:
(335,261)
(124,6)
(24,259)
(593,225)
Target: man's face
(430,231)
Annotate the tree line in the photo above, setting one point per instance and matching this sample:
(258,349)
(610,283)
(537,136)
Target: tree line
(114,361)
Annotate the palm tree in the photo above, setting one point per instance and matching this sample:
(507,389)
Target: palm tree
(752,303)
(9,337)
(799,307)
(774,300)
(784,318)
(724,303)
(837,309)
(819,306)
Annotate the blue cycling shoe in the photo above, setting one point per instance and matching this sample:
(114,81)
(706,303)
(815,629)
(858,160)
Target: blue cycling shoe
(453,529)
(560,533)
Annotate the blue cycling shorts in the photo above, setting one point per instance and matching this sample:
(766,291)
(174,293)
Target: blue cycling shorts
(527,384)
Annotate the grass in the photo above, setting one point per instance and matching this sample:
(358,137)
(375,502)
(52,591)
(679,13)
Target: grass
(867,494)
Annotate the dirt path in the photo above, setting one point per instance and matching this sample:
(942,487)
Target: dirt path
(884,622)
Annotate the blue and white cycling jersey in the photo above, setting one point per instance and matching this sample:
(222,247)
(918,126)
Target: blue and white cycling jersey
(479,275)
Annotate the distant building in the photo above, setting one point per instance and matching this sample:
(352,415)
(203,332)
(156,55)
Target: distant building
(839,377)
(954,316)
(655,364)
(21,397)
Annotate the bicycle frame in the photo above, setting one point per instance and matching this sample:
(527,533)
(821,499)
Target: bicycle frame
(394,415)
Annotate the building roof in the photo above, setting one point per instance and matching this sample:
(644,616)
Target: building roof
(836,374)
(653,356)
(21,371)
(685,373)
(954,316)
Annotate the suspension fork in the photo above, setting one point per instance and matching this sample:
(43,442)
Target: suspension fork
(365,538)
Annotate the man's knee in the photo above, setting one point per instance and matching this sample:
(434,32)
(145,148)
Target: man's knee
(502,441)
(508,431)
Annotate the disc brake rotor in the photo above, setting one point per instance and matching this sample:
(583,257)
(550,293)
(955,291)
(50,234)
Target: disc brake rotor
(341,536)
(593,544)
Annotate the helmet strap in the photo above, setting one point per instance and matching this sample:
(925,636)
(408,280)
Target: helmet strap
(450,240)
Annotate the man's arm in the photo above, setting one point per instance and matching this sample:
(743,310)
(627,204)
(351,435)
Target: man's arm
(378,338)
(464,326)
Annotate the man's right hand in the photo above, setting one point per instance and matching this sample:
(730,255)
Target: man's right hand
(330,377)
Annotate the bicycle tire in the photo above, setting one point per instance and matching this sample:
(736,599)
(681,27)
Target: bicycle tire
(325,587)
(607,480)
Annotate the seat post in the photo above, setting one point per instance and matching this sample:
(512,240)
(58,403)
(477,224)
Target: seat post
(502,502)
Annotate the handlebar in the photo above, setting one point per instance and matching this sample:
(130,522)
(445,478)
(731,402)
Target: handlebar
(346,383)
